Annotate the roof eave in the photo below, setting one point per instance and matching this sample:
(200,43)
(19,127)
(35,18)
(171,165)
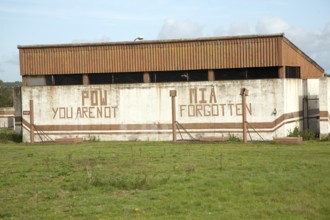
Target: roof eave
(149,41)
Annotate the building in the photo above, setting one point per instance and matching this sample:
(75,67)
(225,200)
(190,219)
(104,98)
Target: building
(7,118)
(120,90)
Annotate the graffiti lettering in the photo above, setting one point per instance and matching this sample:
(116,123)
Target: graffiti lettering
(201,110)
(94,104)
(203,102)
(85,112)
(200,95)
(94,97)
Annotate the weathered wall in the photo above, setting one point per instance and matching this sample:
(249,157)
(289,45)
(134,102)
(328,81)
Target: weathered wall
(311,105)
(324,106)
(7,118)
(292,98)
(143,111)
(313,87)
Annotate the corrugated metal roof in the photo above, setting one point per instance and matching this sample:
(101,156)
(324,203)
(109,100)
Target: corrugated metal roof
(156,55)
(149,41)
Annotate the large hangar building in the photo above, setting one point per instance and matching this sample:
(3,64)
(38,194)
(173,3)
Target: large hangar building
(120,90)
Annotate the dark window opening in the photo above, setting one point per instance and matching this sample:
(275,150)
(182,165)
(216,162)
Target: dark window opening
(246,73)
(292,72)
(127,78)
(230,74)
(100,78)
(115,78)
(172,76)
(72,79)
(50,80)
(263,73)
(179,76)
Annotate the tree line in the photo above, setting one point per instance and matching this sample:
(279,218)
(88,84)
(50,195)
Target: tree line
(7,93)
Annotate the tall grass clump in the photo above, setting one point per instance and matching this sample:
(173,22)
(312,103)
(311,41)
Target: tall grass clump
(234,139)
(7,136)
(306,134)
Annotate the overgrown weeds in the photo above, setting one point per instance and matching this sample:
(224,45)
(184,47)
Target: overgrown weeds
(7,135)
(234,139)
(306,134)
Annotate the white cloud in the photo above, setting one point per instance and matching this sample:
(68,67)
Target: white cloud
(236,28)
(316,43)
(180,29)
(239,28)
(271,25)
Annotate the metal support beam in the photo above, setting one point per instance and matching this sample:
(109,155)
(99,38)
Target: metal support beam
(244,93)
(85,79)
(281,72)
(210,75)
(146,77)
(31,122)
(173,95)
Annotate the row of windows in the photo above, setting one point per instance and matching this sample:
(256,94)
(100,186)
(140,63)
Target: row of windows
(172,76)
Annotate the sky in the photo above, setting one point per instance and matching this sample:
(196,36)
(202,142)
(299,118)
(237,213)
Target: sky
(27,22)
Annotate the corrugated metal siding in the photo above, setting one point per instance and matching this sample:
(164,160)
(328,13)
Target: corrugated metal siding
(153,56)
(294,57)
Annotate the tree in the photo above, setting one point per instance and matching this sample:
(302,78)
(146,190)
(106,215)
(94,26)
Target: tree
(6,97)
(6,93)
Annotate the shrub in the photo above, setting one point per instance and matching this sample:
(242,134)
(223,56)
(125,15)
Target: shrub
(294,133)
(233,138)
(306,134)
(7,135)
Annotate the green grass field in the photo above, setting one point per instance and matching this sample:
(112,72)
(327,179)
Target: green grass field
(147,180)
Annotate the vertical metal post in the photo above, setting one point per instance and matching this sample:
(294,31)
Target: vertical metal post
(244,93)
(31,122)
(146,77)
(210,75)
(85,79)
(173,95)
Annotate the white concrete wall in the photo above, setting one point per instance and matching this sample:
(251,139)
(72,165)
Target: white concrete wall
(324,106)
(313,86)
(7,118)
(293,105)
(313,119)
(143,111)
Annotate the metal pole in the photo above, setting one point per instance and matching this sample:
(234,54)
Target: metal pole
(173,95)
(244,93)
(31,122)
